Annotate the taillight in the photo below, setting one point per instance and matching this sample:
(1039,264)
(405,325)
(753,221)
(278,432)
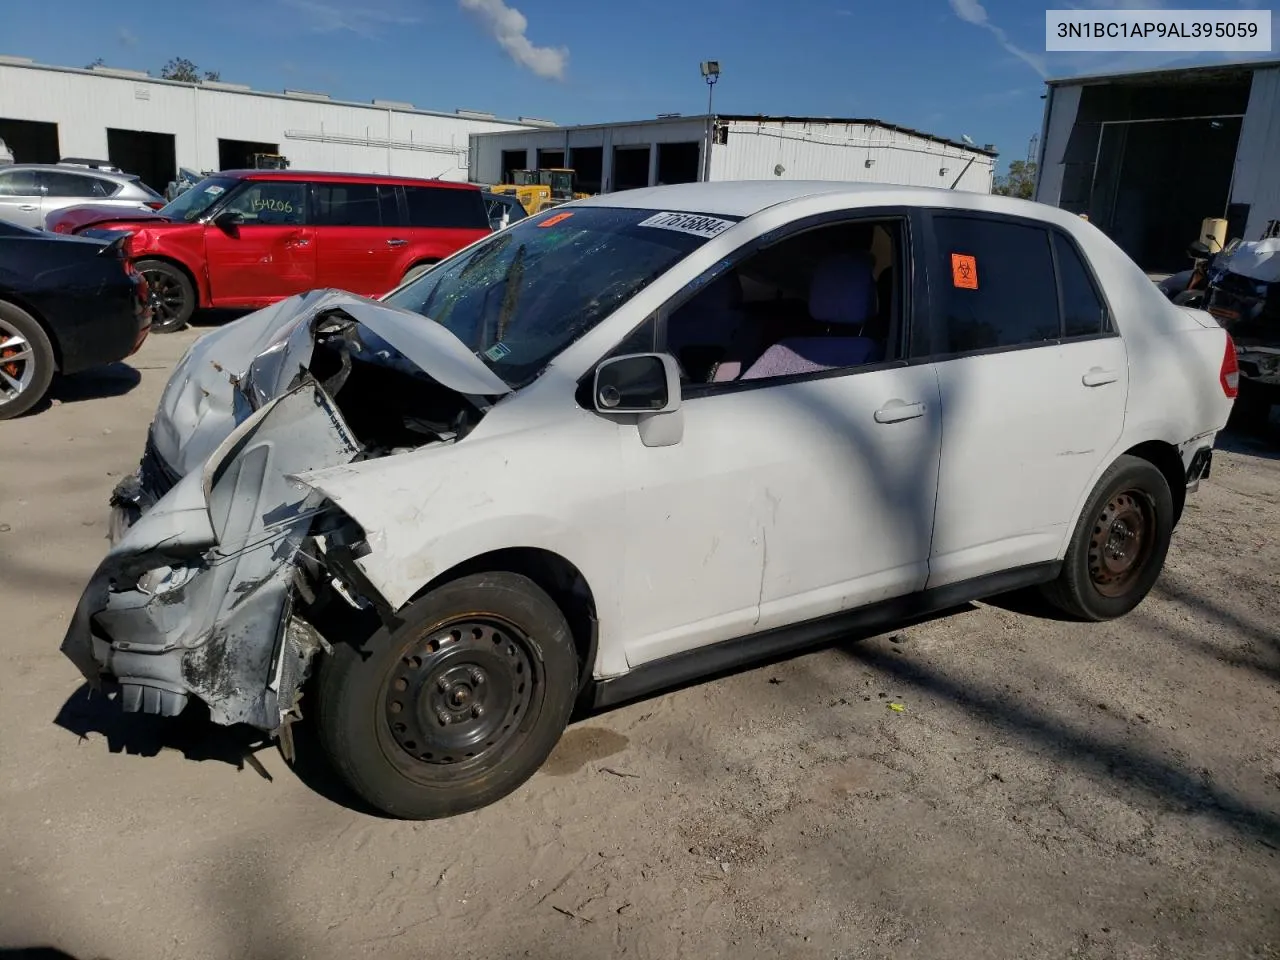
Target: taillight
(1229,376)
(61,227)
(155,204)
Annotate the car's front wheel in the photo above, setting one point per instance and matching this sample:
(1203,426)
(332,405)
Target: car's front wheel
(1118,548)
(456,707)
(173,296)
(26,361)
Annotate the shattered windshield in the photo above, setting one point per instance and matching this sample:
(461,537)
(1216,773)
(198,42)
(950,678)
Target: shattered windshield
(191,204)
(521,297)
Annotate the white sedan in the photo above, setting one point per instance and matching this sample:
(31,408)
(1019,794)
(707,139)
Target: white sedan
(641,438)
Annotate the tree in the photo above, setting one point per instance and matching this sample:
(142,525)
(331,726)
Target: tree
(180,68)
(1020,181)
(97,63)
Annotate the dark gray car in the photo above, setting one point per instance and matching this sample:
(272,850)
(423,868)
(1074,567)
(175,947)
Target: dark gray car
(29,192)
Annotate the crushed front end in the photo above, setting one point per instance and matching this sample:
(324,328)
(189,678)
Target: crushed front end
(221,555)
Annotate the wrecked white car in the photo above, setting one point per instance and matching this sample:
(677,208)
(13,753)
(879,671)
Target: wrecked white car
(642,438)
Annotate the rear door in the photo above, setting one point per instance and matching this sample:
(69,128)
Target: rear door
(20,198)
(269,253)
(62,189)
(359,241)
(1033,383)
(442,220)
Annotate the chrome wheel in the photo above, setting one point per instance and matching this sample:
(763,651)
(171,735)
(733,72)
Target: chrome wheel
(17,363)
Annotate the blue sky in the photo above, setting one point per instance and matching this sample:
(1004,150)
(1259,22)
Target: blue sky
(950,67)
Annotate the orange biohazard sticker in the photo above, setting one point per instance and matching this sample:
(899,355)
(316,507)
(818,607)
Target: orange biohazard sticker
(964,271)
(553,220)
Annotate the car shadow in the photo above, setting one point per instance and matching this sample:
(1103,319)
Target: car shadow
(96,383)
(194,735)
(1262,442)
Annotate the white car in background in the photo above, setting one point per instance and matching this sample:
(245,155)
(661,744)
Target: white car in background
(643,437)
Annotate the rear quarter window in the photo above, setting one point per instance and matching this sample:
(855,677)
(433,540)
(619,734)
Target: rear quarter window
(1083,312)
(446,208)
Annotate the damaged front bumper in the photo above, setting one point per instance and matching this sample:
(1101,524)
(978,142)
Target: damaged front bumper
(197,597)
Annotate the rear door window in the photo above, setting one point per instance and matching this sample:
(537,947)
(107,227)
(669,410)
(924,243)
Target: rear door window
(1083,313)
(446,208)
(996,285)
(59,184)
(355,205)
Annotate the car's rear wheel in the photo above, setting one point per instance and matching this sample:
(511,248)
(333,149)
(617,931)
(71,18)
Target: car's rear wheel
(417,270)
(26,361)
(1119,545)
(456,707)
(173,296)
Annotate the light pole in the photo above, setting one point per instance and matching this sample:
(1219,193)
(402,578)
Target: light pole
(710,73)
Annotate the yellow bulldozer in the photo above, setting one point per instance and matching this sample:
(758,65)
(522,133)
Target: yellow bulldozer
(537,190)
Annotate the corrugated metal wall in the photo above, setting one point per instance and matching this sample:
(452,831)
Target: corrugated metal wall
(753,150)
(1257,173)
(313,134)
(849,152)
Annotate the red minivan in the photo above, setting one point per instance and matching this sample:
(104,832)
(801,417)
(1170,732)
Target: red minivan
(247,238)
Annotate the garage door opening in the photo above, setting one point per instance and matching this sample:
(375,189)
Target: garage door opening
(678,162)
(588,164)
(550,159)
(630,167)
(513,160)
(31,141)
(1155,181)
(238,154)
(151,156)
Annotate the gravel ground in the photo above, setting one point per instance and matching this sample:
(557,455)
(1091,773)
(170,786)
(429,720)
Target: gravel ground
(1049,789)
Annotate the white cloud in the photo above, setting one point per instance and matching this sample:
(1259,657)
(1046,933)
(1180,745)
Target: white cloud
(507,25)
(971,11)
(360,19)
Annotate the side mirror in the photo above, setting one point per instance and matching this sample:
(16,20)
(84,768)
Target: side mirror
(228,220)
(638,383)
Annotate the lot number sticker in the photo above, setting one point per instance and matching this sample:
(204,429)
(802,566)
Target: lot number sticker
(693,223)
(964,271)
(552,220)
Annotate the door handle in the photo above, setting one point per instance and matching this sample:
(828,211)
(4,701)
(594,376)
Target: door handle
(396,242)
(1097,377)
(895,411)
(28,206)
(298,242)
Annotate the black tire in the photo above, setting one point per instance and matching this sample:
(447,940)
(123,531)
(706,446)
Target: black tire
(26,358)
(456,707)
(1118,548)
(173,296)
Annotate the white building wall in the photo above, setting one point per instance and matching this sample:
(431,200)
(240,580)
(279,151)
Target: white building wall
(863,153)
(313,134)
(1257,172)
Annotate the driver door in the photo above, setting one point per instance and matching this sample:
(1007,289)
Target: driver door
(268,252)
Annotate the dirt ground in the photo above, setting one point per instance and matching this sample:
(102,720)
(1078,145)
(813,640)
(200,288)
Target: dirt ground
(1049,790)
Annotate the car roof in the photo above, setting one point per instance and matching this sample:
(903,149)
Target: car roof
(325,176)
(744,198)
(75,168)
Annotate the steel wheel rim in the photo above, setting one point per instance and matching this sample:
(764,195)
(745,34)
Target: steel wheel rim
(1121,542)
(165,294)
(459,694)
(17,362)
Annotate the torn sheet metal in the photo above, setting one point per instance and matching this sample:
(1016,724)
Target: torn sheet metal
(196,597)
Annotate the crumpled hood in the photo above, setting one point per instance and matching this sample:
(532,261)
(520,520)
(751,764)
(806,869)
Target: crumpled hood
(1255,259)
(261,354)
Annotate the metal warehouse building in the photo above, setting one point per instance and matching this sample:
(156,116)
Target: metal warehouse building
(1148,156)
(673,149)
(151,127)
